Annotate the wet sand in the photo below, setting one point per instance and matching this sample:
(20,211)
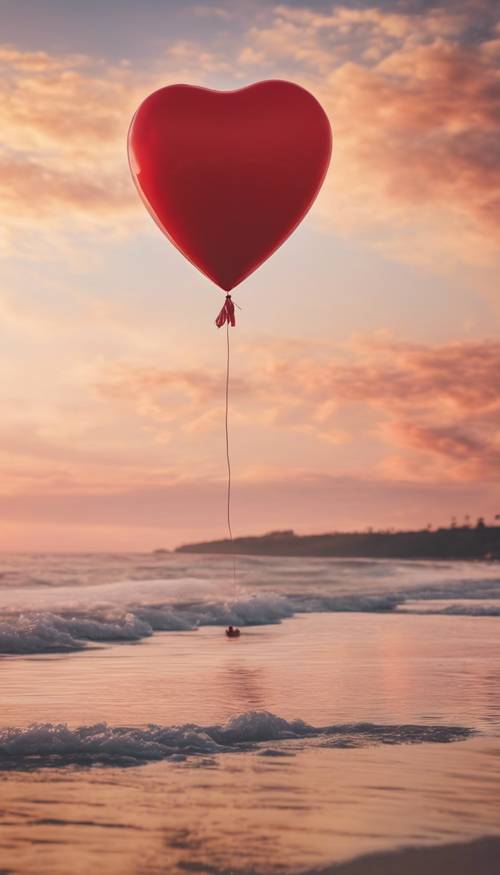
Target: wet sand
(480,857)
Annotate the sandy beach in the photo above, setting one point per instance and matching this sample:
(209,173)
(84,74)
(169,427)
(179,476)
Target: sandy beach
(356,716)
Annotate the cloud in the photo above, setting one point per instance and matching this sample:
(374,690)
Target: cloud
(65,104)
(370,431)
(413,97)
(35,191)
(37,62)
(437,406)
(468,449)
(414,103)
(373,407)
(423,127)
(64,121)
(63,126)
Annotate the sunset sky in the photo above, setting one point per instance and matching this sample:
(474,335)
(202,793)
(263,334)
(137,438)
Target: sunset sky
(366,361)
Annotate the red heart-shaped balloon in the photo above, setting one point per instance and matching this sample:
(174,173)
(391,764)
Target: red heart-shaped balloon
(228,175)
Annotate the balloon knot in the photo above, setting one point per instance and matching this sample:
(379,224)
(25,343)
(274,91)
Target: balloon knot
(226,314)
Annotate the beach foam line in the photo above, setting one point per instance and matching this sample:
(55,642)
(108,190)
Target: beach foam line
(56,744)
(457,610)
(65,631)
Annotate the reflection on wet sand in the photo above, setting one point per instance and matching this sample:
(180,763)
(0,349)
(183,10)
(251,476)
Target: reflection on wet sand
(244,686)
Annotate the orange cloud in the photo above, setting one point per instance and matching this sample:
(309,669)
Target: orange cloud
(441,401)
(469,450)
(390,429)
(423,127)
(390,411)
(413,99)
(190,399)
(68,104)
(63,129)
(37,191)
(414,103)
(437,404)
(63,125)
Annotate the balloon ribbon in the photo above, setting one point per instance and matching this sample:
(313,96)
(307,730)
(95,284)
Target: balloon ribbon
(226,314)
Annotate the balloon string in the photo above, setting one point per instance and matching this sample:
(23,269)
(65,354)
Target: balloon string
(228,457)
(227,317)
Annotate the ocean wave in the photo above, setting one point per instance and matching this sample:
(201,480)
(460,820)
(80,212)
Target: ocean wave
(39,633)
(49,744)
(50,632)
(472,610)
(54,633)
(364,604)
(65,618)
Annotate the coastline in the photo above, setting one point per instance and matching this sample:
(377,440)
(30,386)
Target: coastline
(456,543)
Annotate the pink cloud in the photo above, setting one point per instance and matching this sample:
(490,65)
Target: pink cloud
(468,449)
(420,144)
(63,123)
(30,190)
(169,513)
(144,452)
(441,401)
(439,404)
(14,58)
(413,101)
(70,104)
(414,104)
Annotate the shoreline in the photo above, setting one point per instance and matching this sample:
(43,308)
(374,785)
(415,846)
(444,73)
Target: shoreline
(477,857)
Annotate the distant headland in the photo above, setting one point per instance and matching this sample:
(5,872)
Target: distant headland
(481,541)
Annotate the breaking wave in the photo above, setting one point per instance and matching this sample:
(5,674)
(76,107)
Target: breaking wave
(47,632)
(52,633)
(48,744)
(63,604)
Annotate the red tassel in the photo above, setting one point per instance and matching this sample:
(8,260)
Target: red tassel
(226,314)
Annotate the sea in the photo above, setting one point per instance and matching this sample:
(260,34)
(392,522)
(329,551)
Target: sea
(358,712)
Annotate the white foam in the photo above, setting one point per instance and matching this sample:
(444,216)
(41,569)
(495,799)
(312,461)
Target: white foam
(48,633)
(36,633)
(42,632)
(46,744)
(60,603)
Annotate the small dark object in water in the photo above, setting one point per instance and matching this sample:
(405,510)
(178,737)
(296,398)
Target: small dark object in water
(232,632)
